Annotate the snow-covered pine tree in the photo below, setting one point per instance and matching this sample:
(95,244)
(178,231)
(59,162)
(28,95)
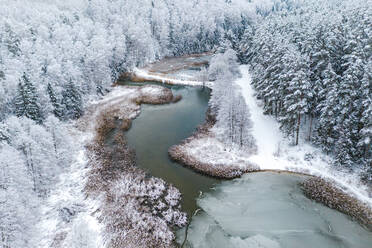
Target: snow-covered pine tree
(295,101)
(57,107)
(11,40)
(348,125)
(328,110)
(26,100)
(365,141)
(72,102)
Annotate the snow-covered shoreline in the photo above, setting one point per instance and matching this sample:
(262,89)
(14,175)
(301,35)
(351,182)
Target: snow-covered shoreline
(136,210)
(78,211)
(144,75)
(204,153)
(274,153)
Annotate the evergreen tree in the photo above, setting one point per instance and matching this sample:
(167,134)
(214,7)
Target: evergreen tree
(365,141)
(57,108)
(26,100)
(328,109)
(348,120)
(295,101)
(72,102)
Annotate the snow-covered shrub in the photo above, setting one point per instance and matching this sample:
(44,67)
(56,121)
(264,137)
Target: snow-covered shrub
(145,209)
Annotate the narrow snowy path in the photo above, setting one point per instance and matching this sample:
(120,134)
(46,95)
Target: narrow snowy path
(276,152)
(265,129)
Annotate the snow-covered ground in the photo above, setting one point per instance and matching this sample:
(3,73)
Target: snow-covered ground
(176,71)
(67,219)
(205,153)
(275,152)
(207,147)
(164,78)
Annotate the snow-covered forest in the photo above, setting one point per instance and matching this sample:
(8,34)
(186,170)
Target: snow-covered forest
(310,61)
(57,55)
(312,66)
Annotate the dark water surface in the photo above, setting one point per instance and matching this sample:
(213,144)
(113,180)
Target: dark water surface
(158,127)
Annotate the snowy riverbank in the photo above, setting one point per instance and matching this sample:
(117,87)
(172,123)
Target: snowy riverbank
(275,152)
(143,75)
(175,71)
(104,199)
(136,210)
(204,153)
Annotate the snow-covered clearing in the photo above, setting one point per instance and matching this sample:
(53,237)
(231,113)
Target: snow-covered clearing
(275,152)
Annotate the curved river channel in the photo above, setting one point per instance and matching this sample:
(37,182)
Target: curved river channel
(258,210)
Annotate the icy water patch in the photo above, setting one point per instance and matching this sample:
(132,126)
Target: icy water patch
(269,210)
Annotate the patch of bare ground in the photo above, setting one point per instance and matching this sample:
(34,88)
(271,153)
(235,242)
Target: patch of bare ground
(325,192)
(137,210)
(180,153)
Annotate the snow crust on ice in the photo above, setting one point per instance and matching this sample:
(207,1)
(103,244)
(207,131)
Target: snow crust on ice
(268,210)
(275,152)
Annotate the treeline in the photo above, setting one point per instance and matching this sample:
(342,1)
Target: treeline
(311,66)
